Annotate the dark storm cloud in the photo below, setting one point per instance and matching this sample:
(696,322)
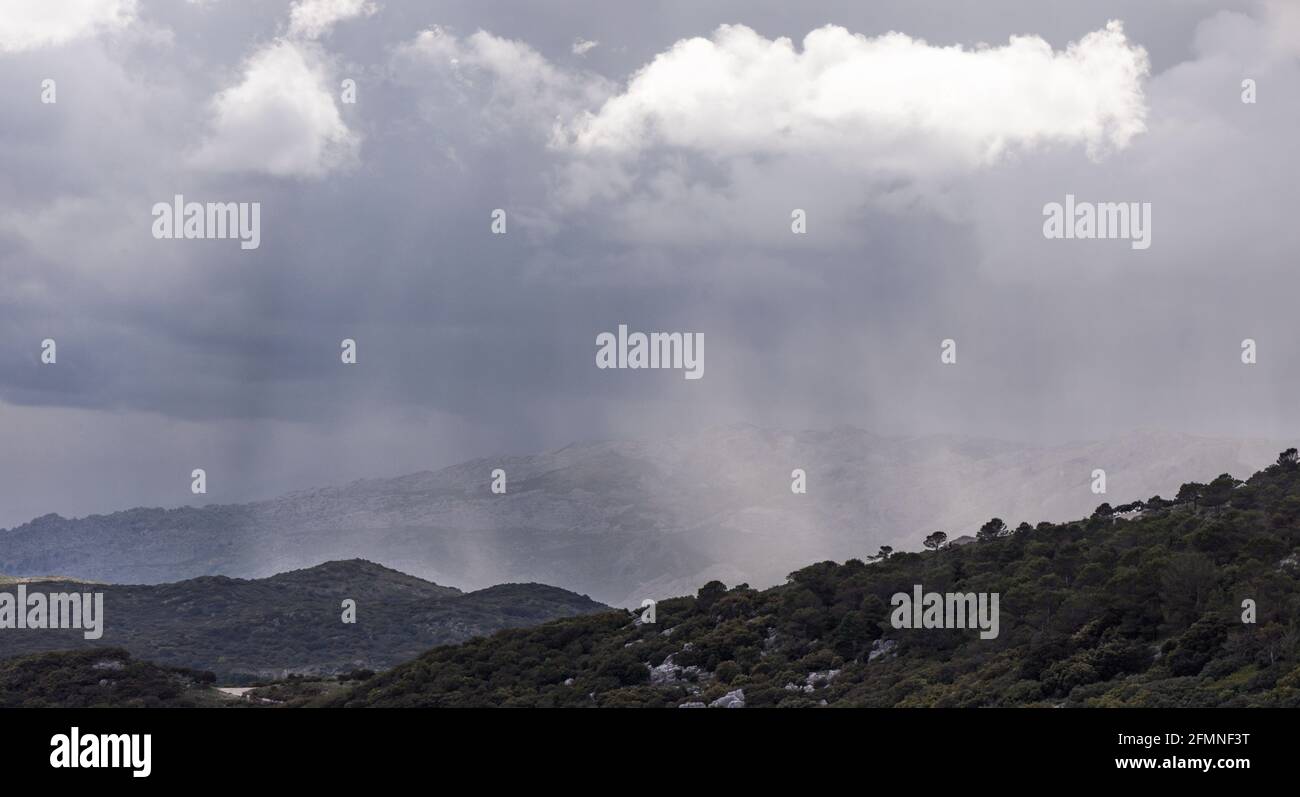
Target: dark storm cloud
(472,343)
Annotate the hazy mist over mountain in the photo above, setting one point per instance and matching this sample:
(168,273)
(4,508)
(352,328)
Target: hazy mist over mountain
(626,520)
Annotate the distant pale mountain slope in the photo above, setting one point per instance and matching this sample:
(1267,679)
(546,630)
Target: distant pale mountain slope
(623,520)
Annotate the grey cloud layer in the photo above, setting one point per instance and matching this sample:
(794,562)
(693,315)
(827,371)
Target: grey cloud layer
(175,355)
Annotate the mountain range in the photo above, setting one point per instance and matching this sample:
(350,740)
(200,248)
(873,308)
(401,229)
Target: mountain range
(626,520)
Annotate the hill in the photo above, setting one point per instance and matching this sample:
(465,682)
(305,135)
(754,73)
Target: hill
(101,677)
(291,623)
(1137,607)
(626,520)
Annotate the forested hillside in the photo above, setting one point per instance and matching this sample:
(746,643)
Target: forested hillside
(1137,605)
(103,677)
(259,629)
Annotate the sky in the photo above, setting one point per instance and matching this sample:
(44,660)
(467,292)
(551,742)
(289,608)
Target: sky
(648,158)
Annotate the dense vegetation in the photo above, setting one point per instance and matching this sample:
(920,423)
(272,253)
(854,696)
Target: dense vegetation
(250,630)
(1138,605)
(100,677)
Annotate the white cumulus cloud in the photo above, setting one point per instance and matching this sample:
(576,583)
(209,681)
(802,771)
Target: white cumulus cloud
(311,19)
(715,138)
(894,99)
(281,119)
(33,24)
